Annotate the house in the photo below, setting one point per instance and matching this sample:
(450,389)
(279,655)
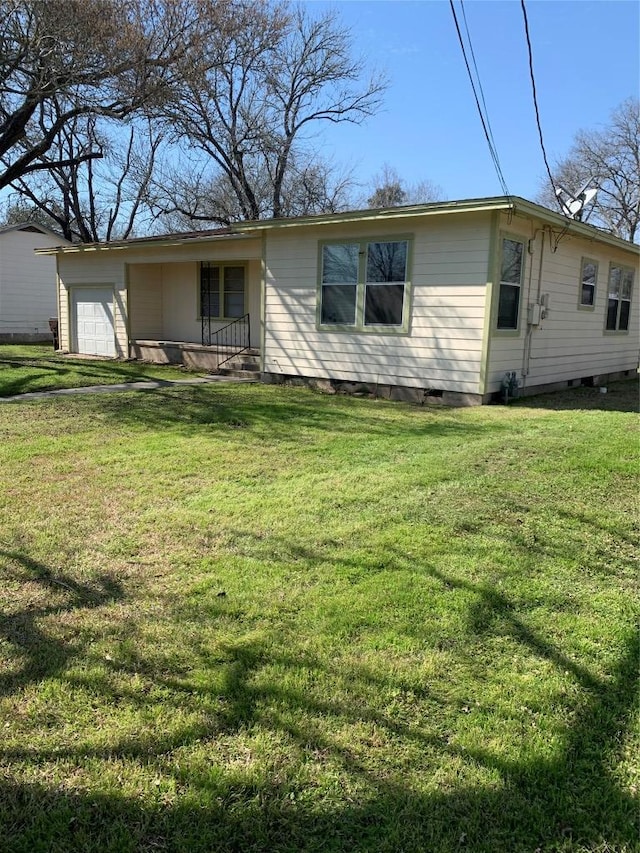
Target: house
(27,282)
(453,300)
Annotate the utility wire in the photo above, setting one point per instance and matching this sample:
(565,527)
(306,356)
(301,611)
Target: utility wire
(484,116)
(535,97)
(484,103)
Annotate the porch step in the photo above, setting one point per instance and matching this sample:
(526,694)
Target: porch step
(242,364)
(243,361)
(238,373)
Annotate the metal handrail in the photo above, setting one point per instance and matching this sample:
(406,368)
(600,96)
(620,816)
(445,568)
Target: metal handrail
(228,341)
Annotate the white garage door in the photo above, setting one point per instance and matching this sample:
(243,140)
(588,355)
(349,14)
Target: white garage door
(93,316)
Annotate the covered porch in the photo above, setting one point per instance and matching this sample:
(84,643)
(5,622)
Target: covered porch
(200,313)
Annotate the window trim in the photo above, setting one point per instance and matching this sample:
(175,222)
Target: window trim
(583,306)
(623,268)
(507,332)
(221,265)
(359,327)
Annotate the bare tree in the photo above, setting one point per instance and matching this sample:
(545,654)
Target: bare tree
(17,210)
(250,109)
(610,160)
(390,190)
(96,198)
(64,59)
(182,196)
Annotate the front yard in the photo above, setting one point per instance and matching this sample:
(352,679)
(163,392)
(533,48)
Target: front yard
(29,367)
(249,618)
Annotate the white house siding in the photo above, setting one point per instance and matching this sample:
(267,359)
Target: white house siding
(570,343)
(145,301)
(27,283)
(443,349)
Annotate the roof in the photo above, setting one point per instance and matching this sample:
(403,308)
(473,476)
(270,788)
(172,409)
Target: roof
(253,228)
(32,228)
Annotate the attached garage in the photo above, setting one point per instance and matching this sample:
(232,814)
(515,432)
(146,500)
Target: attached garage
(93,320)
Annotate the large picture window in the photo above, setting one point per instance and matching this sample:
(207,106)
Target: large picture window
(364,285)
(619,300)
(222,291)
(511,271)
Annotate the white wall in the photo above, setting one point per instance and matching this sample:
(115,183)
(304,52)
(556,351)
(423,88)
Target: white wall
(145,301)
(444,346)
(163,301)
(571,343)
(27,282)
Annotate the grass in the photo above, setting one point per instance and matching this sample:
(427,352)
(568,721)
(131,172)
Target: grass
(249,618)
(31,367)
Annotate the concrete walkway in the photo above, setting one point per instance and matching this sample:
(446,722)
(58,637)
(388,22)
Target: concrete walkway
(146,385)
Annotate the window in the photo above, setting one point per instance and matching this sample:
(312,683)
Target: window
(339,283)
(384,289)
(364,285)
(511,270)
(222,291)
(619,301)
(588,280)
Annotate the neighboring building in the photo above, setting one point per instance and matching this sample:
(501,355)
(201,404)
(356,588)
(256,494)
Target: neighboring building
(438,300)
(27,282)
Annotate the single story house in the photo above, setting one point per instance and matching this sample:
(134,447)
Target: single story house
(454,300)
(27,282)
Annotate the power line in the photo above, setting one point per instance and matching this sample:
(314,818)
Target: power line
(535,97)
(475,66)
(484,116)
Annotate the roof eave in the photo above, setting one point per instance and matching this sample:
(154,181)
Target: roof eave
(573,226)
(385,213)
(172,242)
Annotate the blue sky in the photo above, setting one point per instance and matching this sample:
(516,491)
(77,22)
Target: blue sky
(586,61)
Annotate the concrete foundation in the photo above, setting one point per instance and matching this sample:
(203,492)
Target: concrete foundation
(26,338)
(399,393)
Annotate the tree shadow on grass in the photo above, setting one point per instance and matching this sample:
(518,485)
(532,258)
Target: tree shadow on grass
(59,372)
(268,413)
(568,802)
(43,654)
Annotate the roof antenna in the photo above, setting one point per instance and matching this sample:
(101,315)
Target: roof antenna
(573,206)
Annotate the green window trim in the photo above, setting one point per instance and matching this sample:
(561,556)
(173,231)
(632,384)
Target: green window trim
(619,298)
(222,289)
(510,266)
(587,285)
(362,279)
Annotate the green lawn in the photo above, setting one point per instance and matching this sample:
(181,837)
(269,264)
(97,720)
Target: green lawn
(30,367)
(251,618)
